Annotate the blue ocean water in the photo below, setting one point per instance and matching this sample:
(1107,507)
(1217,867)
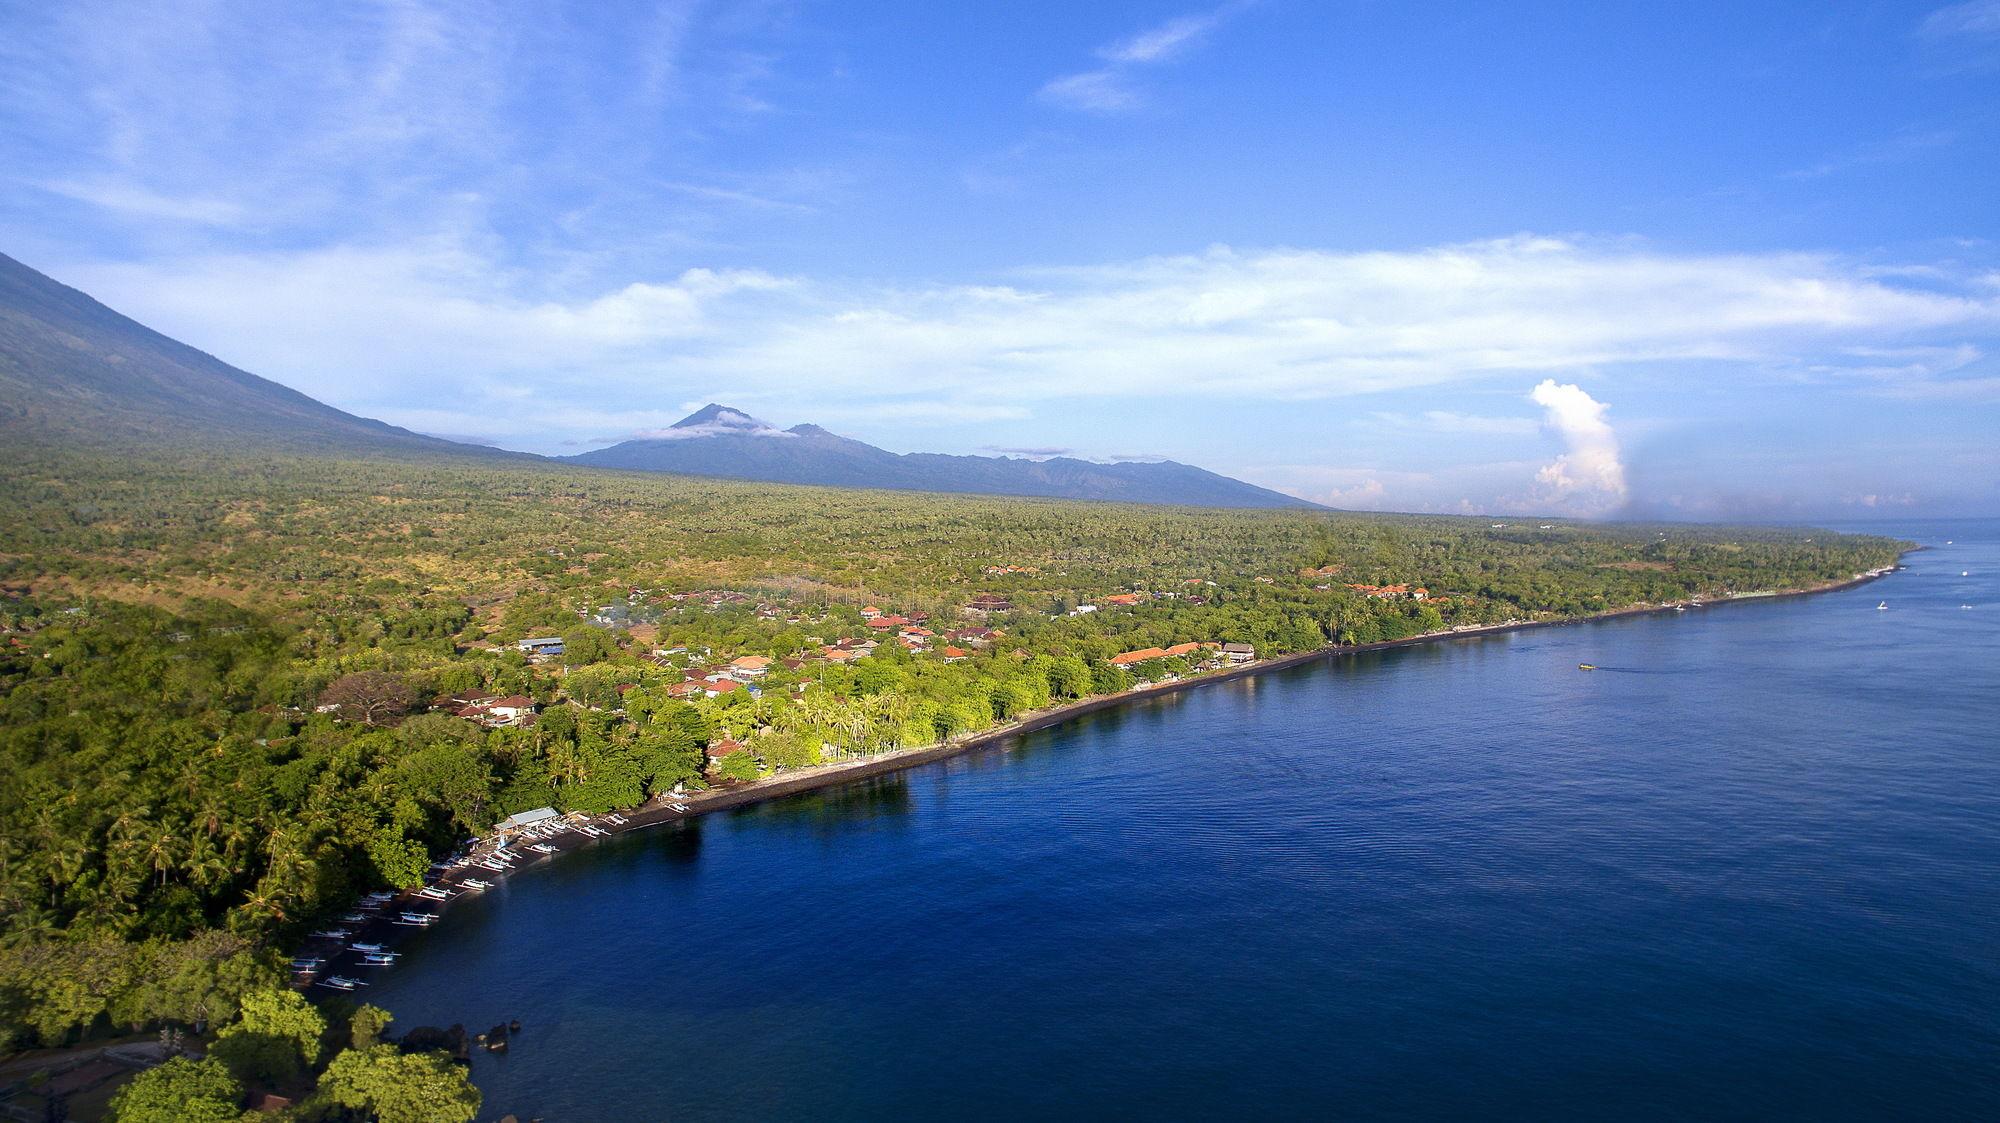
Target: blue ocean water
(1750,868)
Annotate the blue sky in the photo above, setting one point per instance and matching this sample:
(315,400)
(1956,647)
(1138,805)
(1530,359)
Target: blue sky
(1697,261)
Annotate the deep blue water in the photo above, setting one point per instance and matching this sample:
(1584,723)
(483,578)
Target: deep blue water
(1748,869)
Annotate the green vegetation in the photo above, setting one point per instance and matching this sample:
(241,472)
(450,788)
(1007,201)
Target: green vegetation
(277,1045)
(180,1091)
(226,684)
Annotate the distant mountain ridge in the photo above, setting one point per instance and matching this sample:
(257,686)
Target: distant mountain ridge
(717,440)
(73,369)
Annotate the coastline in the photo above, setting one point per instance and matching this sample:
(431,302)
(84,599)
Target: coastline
(660,810)
(653,812)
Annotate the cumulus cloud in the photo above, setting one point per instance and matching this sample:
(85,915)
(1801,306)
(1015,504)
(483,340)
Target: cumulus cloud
(1589,478)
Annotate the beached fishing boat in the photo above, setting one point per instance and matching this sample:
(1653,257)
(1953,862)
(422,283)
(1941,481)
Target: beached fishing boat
(435,892)
(365,948)
(417,919)
(543,848)
(475,885)
(341,982)
(332,934)
(379,959)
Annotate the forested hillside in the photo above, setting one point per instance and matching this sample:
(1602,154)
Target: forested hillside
(236,692)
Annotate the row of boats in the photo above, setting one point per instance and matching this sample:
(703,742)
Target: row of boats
(500,858)
(373,907)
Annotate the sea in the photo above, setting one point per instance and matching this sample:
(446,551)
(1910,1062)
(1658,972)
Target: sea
(1748,868)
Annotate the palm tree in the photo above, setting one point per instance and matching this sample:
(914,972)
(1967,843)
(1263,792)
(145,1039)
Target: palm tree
(163,851)
(257,903)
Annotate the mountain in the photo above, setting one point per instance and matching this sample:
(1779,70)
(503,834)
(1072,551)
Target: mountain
(72,369)
(719,441)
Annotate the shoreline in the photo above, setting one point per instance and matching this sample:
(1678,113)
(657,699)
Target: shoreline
(659,810)
(757,791)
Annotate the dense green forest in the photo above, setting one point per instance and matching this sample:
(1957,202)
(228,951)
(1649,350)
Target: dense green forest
(231,684)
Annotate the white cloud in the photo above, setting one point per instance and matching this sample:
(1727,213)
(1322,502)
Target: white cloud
(1368,495)
(436,320)
(1166,41)
(927,412)
(1962,37)
(1979,18)
(1447,421)
(390,116)
(727,423)
(1590,477)
(1111,89)
(1907,145)
(131,199)
(1096,91)
(1443,489)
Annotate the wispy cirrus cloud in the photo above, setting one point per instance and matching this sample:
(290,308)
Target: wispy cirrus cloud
(230,121)
(1094,91)
(1113,87)
(1910,144)
(1962,37)
(1975,19)
(1170,39)
(1449,421)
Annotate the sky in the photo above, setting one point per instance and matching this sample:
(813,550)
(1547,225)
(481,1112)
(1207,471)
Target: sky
(1679,260)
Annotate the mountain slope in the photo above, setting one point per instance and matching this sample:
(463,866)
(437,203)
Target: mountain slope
(73,369)
(719,441)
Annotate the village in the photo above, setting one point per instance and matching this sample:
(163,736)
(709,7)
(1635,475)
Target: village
(732,685)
